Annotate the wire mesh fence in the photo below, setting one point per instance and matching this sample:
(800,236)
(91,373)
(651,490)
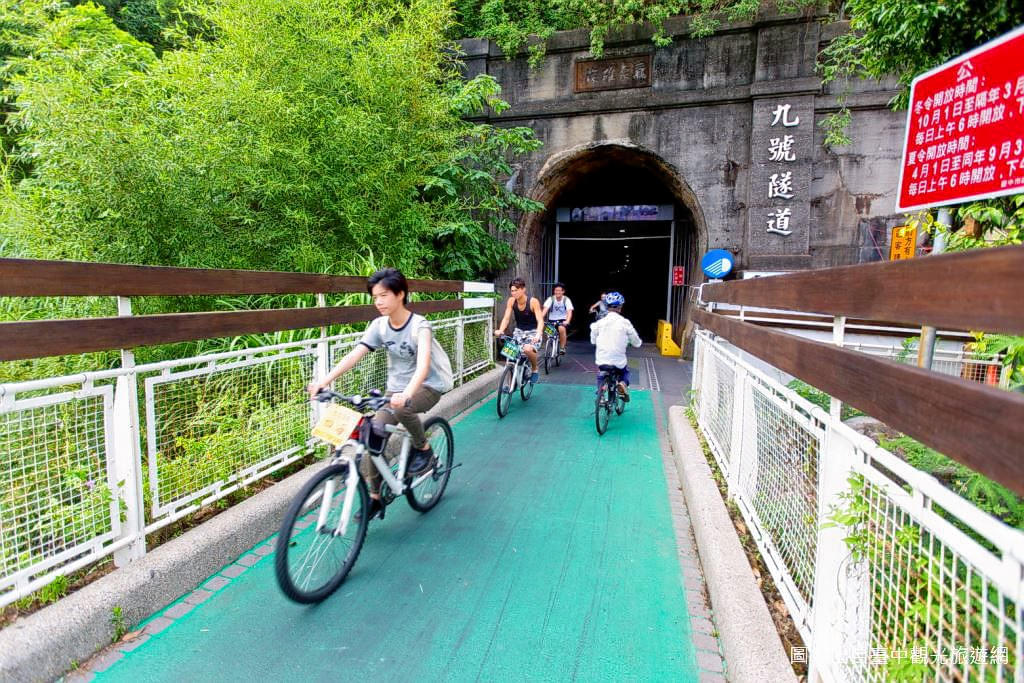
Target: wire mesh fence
(778,476)
(983,368)
(224,422)
(194,430)
(888,574)
(57,499)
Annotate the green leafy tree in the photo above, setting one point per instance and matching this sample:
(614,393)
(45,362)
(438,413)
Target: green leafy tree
(905,38)
(515,23)
(287,128)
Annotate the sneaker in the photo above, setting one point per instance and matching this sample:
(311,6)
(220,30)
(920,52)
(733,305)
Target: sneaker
(623,391)
(534,378)
(376,509)
(419,461)
(561,351)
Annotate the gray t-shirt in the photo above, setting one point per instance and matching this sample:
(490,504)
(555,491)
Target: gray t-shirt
(400,345)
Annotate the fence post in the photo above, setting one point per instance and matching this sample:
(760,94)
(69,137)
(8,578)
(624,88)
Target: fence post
(835,406)
(836,601)
(460,350)
(322,363)
(127,463)
(739,414)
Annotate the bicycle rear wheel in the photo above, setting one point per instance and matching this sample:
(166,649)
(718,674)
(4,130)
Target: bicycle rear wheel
(505,388)
(620,401)
(428,492)
(311,560)
(602,409)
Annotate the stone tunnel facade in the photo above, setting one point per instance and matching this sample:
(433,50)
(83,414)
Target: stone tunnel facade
(730,125)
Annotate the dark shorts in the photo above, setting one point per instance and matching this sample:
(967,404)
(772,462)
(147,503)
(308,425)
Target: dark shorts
(622,373)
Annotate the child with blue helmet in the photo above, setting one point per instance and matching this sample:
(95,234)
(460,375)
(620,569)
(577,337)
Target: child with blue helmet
(612,334)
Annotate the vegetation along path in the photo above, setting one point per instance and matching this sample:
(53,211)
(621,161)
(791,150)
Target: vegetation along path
(551,556)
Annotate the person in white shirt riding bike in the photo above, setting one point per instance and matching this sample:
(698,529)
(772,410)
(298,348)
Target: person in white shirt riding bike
(611,334)
(559,306)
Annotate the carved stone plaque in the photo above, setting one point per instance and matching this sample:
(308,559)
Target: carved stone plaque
(613,74)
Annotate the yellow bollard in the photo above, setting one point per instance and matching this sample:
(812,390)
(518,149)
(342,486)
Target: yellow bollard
(664,342)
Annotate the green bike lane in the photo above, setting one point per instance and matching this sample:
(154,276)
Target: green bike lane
(551,556)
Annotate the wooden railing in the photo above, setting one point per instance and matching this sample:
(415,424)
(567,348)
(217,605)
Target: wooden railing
(979,426)
(36,339)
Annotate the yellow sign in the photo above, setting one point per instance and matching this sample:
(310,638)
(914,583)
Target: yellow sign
(336,424)
(904,242)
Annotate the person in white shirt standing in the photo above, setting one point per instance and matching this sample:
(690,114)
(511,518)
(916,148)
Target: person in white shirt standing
(560,308)
(611,334)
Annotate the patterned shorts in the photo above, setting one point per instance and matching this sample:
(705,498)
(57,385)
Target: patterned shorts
(524,336)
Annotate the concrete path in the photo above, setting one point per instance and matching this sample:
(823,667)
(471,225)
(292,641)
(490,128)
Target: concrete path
(552,556)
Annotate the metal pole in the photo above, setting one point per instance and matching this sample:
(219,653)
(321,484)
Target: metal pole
(926,349)
(127,454)
(671,263)
(558,240)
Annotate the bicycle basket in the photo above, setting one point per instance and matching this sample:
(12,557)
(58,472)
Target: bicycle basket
(511,350)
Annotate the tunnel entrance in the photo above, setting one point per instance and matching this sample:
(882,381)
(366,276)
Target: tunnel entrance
(628,256)
(619,223)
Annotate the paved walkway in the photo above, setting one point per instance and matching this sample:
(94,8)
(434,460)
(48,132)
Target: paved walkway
(553,556)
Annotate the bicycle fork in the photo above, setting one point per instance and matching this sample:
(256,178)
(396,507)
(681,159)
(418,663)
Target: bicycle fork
(351,483)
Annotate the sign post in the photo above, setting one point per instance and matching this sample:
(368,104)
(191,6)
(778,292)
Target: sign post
(965,138)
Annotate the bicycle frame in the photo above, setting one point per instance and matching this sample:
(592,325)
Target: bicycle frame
(520,360)
(349,453)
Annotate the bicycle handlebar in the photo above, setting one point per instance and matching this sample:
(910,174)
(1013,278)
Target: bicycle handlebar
(372,402)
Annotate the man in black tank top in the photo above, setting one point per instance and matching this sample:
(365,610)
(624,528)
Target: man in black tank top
(529,321)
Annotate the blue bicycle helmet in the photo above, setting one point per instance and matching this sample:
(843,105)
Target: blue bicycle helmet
(614,299)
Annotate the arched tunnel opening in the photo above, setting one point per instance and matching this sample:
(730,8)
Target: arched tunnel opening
(616,221)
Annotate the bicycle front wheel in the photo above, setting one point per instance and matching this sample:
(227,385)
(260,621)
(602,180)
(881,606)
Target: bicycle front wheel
(549,352)
(505,388)
(601,410)
(312,559)
(430,487)
(526,386)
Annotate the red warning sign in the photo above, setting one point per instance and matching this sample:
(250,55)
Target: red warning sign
(965,128)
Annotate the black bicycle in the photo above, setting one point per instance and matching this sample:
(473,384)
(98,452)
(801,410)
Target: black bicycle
(325,526)
(608,396)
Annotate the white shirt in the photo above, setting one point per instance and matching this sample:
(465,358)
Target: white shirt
(558,310)
(611,334)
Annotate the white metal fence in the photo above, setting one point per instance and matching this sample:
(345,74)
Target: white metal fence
(975,367)
(86,473)
(912,583)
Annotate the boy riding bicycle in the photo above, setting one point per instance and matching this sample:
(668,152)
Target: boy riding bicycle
(529,322)
(560,308)
(612,334)
(419,371)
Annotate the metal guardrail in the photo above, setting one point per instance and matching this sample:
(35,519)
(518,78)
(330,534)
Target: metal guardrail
(210,424)
(923,585)
(78,485)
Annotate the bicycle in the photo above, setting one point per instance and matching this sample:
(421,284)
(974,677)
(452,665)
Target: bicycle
(325,526)
(608,396)
(551,352)
(515,376)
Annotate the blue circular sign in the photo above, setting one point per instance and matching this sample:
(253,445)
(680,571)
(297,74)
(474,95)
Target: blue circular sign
(717,263)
